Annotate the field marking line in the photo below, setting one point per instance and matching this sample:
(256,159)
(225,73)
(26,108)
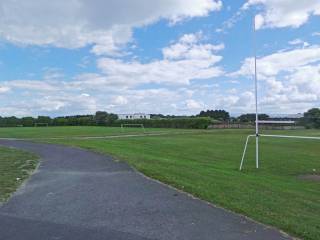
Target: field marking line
(290,136)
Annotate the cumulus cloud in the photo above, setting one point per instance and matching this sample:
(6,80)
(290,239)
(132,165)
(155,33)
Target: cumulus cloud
(275,63)
(192,104)
(107,25)
(289,80)
(284,13)
(125,85)
(187,59)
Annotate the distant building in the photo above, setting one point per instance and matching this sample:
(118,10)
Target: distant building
(133,116)
(292,117)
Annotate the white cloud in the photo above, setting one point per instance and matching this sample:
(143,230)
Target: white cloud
(186,60)
(316,34)
(285,13)
(4,89)
(35,85)
(77,23)
(298,41)
(192,104)
(289,80)
(124,86)
(281,61)
(259,21)
(120,100)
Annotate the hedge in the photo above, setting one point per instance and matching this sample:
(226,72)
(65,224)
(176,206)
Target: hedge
(187,123)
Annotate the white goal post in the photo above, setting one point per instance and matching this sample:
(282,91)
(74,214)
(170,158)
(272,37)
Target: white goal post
(132,125)
(257,135)
(273,136)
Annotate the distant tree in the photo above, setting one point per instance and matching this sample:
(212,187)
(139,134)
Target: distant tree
(311,118)
(85,120)
(104,118)
(60,121)
(251,117)
(111,118)
(157,116)
(215,114)
(27,121)
(43,119)
(100,118)
(11,121)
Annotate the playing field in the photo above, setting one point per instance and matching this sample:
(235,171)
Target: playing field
(72,131)
(205,163)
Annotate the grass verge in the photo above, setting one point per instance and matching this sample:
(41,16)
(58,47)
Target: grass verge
(15,167)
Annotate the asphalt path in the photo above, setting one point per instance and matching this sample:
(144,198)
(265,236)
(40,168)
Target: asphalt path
(81,195)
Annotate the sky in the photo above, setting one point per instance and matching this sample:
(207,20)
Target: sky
(161,56)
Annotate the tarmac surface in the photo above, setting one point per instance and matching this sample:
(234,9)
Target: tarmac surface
(81,195)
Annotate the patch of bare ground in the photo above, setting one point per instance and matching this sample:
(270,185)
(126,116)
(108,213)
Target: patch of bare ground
(310,177)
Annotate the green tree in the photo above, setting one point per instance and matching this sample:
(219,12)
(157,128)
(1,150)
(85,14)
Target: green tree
(311,118)
(251,117)
(101,118)
(215,114)
(111,118)
(43,119)
(27,121)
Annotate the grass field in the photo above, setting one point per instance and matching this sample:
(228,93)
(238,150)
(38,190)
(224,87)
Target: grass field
(57,132)
(205,163)
(15,167)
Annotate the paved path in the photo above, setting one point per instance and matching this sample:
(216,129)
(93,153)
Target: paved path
(81,195)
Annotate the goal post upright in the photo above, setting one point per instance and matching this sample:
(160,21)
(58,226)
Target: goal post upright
(255,76)
(257,133)
(256,91)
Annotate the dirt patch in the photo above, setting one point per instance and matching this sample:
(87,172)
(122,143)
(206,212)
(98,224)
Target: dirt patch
(310,177)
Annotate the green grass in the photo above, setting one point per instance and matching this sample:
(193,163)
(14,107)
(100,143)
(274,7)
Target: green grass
(68,131)
(15,167)
(205,163)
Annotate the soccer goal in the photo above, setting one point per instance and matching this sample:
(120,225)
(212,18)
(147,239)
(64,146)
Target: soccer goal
(132,125)
(257,134)
(41,125)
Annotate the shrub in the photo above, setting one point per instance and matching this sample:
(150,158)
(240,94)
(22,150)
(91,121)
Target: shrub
(187,123)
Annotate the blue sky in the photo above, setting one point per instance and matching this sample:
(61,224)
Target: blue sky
(162,56)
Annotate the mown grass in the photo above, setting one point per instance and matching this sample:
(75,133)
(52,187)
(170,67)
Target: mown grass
(71,131)
(15,167)
(205,163)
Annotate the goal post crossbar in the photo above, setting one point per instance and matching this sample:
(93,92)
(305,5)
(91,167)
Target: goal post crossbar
(273,136)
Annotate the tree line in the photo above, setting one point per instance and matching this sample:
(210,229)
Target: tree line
(311,119)
(99,119)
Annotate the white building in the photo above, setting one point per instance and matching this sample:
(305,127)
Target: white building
(133,116)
